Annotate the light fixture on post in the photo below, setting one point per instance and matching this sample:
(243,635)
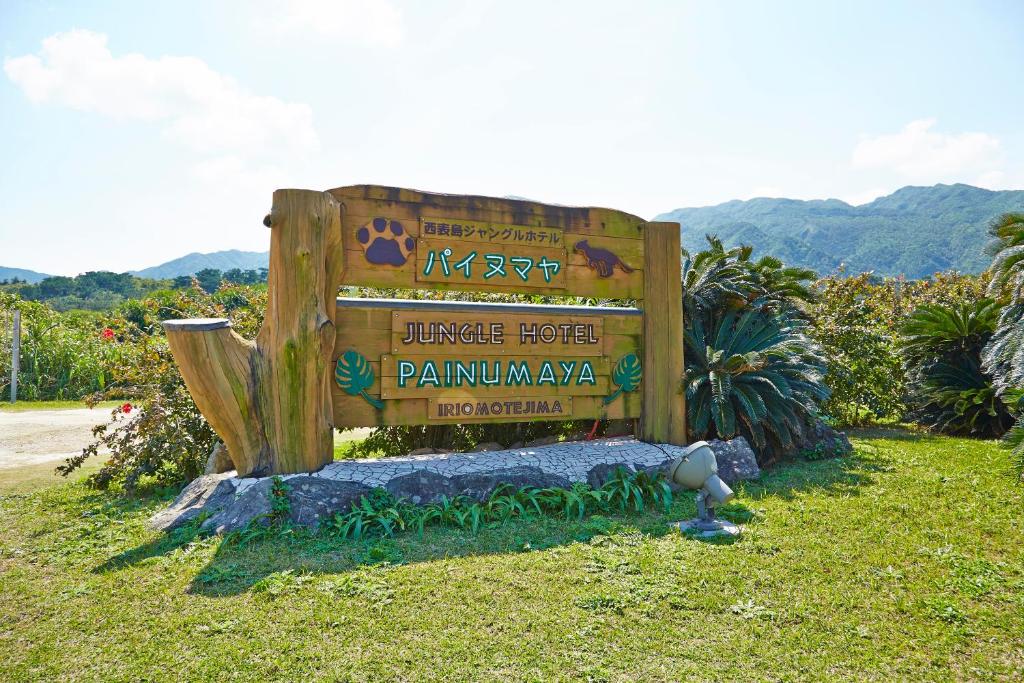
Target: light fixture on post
(697,469)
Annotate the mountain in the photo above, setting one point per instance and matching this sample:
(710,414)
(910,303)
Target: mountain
(22,274)
(915,231)
(195,262)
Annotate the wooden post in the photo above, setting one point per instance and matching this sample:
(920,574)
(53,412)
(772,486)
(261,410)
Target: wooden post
(15,355)
(663,416)
(270,401)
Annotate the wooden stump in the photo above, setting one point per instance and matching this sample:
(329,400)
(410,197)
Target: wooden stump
(270,400)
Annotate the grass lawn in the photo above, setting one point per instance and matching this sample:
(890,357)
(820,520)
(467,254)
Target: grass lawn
(22,406)
(902,562)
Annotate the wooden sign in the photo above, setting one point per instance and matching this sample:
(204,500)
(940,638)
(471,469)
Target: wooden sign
(275,401)
(451,361)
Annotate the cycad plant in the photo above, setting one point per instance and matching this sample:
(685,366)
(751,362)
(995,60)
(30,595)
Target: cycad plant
(716,278)
(950,391)
(752,374)
(1004,355)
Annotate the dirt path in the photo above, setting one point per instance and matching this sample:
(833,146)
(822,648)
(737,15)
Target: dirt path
(37,436)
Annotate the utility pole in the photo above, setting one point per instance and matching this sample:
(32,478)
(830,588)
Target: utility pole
(15,355)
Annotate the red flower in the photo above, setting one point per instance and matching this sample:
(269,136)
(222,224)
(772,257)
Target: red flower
(107,334)
(126,408)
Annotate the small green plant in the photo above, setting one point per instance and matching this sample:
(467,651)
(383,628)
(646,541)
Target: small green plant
(379,512)
(280,504)
(376,511)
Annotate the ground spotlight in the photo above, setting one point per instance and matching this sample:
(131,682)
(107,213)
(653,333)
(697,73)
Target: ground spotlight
(697,469)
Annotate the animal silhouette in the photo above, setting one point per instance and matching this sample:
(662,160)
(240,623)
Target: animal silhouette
(601,260)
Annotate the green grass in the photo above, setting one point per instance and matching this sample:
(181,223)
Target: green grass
(902,562)
(21,406)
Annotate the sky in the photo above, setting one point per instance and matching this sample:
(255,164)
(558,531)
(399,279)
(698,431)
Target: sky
(135,132)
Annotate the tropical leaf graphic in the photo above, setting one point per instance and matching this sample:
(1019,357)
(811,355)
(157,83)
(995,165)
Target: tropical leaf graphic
(354,375)
(627,374)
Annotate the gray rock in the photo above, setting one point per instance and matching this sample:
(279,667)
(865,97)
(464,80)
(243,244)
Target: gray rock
(314,499)
(598,475)
(486,447)
(480,485)
(208,493)
(252,504)
(833,442)
(423,451)
(219,461)
(421,486)
(736,460)
(542,441)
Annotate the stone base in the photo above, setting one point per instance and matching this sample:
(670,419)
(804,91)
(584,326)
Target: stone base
(230,503)
(702,529)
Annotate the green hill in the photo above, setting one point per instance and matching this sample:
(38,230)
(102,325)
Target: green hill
(21,274)
(915,231)
(218,260)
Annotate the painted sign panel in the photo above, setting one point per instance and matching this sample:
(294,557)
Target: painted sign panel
(394,243)
(501,334)
(491,233)
(465,263)
(451,362)
(507,408)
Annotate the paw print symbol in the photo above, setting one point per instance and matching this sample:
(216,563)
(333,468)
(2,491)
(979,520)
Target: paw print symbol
(385,243)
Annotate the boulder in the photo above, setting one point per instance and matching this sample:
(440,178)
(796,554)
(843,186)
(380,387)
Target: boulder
(480,485)
(542,441)
(421,487)
(208,493)
(314,499)
(252,504)
(598,475)
(831,441)
(736,460)
(218,461)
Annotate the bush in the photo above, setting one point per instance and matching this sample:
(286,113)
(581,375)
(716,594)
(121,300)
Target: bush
(167,440)
(63,356)
(753,375)
(856,321)
(950,392)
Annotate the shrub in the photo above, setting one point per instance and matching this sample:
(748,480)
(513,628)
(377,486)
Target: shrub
(167,440)
(63,356)
(950,392)
(753,375)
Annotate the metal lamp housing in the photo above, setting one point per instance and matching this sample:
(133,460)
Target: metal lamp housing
(697,468)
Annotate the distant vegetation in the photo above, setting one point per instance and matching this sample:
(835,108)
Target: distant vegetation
(916,231)
(103,290)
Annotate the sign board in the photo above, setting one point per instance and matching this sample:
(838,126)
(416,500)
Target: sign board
(319,363)
(415,362)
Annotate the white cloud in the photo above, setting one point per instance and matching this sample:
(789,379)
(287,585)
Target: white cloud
(917,153)
(197,106)
(370,22)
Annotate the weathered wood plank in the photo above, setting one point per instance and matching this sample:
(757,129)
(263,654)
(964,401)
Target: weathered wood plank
(350,411)
(369,200)
(664,410)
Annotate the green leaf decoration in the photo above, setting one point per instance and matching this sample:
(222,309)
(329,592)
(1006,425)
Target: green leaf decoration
(354,375)
(627,374)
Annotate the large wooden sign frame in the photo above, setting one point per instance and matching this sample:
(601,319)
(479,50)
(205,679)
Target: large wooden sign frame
(320,362)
